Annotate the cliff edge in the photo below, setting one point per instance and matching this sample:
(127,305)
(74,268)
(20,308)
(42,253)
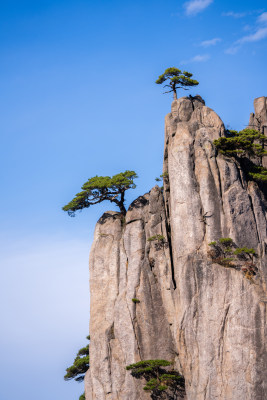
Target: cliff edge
(208,318)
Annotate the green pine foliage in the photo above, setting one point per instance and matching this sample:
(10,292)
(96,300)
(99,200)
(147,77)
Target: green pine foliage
(248,143)
(147,364)
(226,241)
(151,384)
(158,377)
(159,238)
(80,365)
(245,250)
(258,173)
(82,397)
(163,177)
(227,245)
(226,253)
(78,369)
(135,300)
(176,80)
(100,188)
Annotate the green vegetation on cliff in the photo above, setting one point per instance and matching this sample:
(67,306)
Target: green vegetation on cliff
(161,380)
(100,188)
(176,80)
(226,253)
(79,367)
(246,144)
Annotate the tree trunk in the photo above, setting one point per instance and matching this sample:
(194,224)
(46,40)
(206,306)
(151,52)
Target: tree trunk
(122,209)
(121,203)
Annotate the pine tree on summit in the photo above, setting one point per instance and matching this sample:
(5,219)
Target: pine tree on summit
(177,80)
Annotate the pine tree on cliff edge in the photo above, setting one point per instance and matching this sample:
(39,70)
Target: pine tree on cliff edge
(79,367)
(100,188)
(177,80)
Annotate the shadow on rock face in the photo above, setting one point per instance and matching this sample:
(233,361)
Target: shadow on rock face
(197,98)
(140,202)
(108,216)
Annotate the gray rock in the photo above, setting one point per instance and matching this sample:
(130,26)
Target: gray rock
(208,319)
(220,327)
(125,265)
(258,119)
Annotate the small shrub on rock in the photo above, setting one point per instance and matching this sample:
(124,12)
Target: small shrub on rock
(160,241)
(226,241)
(135,300)
(162,380)
(159,238)
(227,254)
(163,177)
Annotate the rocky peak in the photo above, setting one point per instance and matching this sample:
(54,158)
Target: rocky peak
(206,316)
(258,119)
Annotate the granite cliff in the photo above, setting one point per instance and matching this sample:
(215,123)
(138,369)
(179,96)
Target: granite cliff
(209,319)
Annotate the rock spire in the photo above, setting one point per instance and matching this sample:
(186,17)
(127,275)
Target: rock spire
(207,318)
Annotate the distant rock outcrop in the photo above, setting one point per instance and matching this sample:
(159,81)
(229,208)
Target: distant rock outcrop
(258,119)
(209,319)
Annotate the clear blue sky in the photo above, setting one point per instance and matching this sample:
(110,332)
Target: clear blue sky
(78,98)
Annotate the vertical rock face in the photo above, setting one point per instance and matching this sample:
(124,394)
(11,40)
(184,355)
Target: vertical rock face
(220,326)
(208,319)
(258,119)
(124,265)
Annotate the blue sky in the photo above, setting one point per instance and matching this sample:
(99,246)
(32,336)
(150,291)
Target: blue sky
(78,98)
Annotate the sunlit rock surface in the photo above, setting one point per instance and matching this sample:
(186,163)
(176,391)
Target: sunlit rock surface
(208,319)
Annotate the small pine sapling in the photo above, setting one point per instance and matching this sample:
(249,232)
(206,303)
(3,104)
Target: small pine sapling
(159,238)
(135,300)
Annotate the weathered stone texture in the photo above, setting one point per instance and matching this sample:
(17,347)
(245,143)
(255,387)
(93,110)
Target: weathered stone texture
(220,327)
(210,320)
(125,265)
(258,119)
